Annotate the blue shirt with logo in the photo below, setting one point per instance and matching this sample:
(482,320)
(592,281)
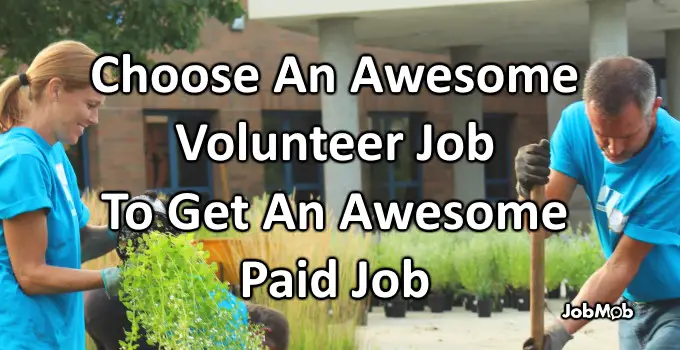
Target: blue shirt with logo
(35,175)
(639,197)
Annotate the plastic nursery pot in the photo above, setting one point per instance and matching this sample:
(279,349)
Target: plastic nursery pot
(571,293)
(436,301)
(448,299)
(498,303)
(510,298)
(523,302)
(458,300)
(374,300)
(554,293)
(417,304)
(484,306)
(395,307)
(469,303)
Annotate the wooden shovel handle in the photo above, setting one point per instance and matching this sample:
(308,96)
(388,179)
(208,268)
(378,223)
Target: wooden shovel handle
(537,287)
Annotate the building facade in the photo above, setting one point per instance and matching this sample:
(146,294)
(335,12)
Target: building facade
(134,146)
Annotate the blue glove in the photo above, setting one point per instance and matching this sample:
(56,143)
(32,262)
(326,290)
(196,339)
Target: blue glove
(111,279)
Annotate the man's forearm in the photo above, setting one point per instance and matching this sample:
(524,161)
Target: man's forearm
(606,285)
(95,242)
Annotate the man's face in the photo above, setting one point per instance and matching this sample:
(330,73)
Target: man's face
(623,136)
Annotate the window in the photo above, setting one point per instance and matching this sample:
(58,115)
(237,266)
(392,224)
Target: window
(498,171)
(400,180)
(663,91)
(305,178)
(167,169)
(78,155)
(659,65)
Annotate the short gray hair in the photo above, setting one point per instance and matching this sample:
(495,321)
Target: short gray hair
(613,82)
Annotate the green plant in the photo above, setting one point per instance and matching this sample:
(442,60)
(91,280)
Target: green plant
(556,263)
(392,249)
(519,251)
(172,293)
(432,251)
(473,260)
(585,257)
(501,265)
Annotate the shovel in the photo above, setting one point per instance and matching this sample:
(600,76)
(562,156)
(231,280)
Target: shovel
(537,287)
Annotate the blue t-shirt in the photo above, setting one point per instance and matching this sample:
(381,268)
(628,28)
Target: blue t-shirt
(33,176)
(638,197)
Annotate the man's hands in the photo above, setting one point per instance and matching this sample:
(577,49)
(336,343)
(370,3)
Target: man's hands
(532,166)
(555,338)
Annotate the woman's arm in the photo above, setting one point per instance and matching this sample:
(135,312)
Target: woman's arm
(95,241)
(26,236)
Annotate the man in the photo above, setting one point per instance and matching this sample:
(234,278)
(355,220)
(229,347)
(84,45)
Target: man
(625,151)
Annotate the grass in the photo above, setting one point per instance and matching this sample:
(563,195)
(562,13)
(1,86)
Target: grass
(330,324)
(318,324)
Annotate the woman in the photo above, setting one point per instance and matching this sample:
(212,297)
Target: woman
(44,236)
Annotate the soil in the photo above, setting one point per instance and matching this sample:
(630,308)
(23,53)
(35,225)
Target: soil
(460,329)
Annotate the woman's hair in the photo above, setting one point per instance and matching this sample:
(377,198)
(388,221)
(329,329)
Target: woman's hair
(68,60)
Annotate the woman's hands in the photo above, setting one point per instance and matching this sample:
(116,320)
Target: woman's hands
(111,280)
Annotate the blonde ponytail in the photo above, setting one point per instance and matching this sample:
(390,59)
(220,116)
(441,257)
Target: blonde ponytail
(10,103)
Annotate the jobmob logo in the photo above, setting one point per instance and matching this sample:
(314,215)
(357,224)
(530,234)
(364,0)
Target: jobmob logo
(607,200)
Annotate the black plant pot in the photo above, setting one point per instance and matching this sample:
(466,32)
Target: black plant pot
(498,303)
(484,306)
(448,300)
(417,304)
(437,302)
(554,293)
(375,301)
(395,308)
(510,298)
(571,293)
(458,300)
(473,303)
(469,303)
(523,302)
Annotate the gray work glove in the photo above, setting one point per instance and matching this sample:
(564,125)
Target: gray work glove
(532,167)
(94,246)
(555,338)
